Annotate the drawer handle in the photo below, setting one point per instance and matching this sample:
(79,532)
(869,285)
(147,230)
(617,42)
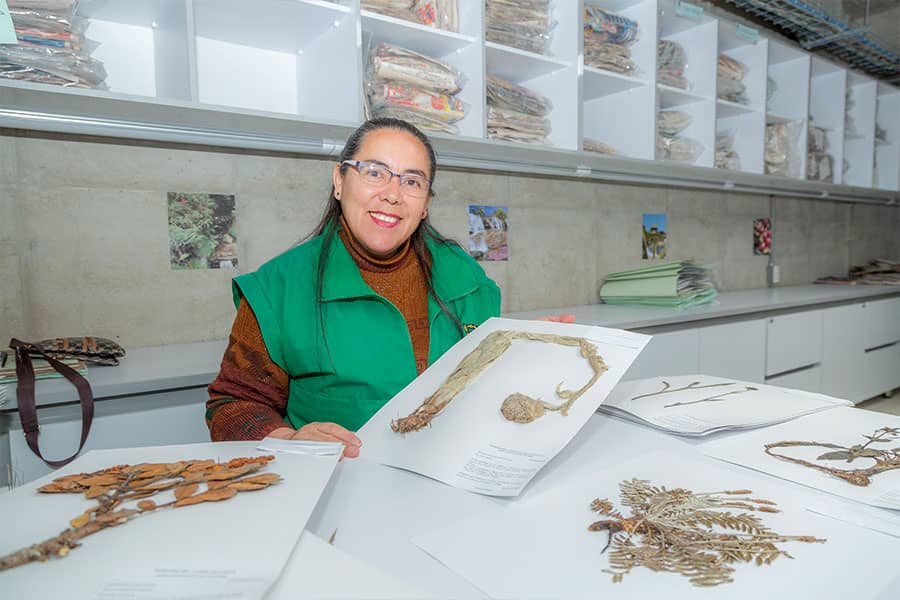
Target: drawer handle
(792,371)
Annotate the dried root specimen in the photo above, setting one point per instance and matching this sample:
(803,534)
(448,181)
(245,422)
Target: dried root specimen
(695,385)
(885,459)
(112,488)
(678,531)
(516,407)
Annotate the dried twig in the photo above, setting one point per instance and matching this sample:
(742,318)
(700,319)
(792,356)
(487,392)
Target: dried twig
(115,486)
(694,385)
(516,407)
(885,459)
(717,398)
(679,531)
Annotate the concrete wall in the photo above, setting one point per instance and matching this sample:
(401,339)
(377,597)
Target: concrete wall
(84,241)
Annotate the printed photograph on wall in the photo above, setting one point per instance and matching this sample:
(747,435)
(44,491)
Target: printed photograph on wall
(654,236)
(201,231)
(762,237)
(488,232)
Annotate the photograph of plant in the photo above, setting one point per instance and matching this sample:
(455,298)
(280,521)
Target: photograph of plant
(488,232)
(201,231)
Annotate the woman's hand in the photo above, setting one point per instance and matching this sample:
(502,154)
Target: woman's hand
(328,432)
(564,318)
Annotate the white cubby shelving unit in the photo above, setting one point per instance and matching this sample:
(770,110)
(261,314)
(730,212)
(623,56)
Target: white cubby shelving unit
(615,106)
(699,40)
(290,74)
(746,122)
(887,152)
(789,103)
(827,96)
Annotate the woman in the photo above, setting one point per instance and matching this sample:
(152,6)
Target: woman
(329,331)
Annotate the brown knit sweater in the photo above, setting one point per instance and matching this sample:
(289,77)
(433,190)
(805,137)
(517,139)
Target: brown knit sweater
(248,399)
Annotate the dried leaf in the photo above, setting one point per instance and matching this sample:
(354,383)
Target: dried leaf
(200,465)
(162,485)
(100,480)
(247,486)
(81,520)
(219,475)
(146,505)
(208,496)
(95,492)
(263,478)
(836,455)
(185,490)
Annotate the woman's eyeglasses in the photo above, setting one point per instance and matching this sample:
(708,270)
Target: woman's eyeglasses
(377,175)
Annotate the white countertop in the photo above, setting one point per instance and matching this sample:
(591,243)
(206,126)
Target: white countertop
(728,304)
(161,368)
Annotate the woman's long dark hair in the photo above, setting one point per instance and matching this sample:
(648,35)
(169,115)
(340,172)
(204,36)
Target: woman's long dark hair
(328,224)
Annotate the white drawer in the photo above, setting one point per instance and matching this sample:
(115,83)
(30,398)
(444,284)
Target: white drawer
(735,350)
(793,341)
(671,353)
(809,379)
(882,322)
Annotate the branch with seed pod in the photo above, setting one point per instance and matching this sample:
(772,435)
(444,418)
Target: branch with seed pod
(885,459)
(693,534)
(112,488)
(517,407)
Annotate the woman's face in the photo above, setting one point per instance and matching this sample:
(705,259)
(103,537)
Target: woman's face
(383,217)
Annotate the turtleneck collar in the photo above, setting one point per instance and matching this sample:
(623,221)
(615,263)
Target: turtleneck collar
(364,260)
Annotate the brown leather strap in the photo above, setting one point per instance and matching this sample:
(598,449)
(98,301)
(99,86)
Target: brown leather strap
(26,401)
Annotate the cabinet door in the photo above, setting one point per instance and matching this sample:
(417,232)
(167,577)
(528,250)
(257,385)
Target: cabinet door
(793,341)
(882,322)
(882,370)
(808,379)
(671,353)
(843,352)
(736,350)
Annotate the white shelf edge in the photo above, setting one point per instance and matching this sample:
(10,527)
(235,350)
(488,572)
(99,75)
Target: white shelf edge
(327,5)
(774,117)
(595,72)
(674,91)
(494,46)
(737,106)
(412,25)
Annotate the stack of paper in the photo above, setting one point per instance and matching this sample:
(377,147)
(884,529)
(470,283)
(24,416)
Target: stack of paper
(42,369)
(679,284)
(698,405)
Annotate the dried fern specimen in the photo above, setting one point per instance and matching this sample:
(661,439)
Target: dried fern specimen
(112,488)
(516,407)
(885,459)
(693,534)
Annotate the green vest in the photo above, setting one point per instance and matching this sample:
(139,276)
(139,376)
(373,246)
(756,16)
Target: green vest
(368,356)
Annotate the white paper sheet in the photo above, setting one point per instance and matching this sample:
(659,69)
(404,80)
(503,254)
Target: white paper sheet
(877,519)
(233,549)
(320,571)
(279,445)
(470,444)
(697,405)
(841,426)
(543,549)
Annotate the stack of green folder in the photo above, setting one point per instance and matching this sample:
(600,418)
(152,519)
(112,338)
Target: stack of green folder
(677,285)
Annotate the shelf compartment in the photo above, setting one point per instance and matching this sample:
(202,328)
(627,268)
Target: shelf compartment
(273,56)
(598,82)
(631,133)
(145,47)
(514,64)
(749,139)
(670,97)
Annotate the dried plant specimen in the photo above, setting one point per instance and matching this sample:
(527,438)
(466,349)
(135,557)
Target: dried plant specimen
(516,407)
(695,385)
(117,486)
(693,534)
(885,459)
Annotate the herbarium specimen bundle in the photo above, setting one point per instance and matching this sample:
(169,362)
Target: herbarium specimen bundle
(517,407)
(884,459)
(694,534)
(112,488)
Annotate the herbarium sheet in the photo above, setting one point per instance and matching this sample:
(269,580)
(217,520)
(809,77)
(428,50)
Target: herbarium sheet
(697,405)
(849,452)
(665,525)
(234,548)
(500,403)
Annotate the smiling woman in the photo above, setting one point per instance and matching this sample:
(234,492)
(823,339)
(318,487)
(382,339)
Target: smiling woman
(329,331)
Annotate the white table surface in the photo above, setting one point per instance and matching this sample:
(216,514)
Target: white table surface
(376,510)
